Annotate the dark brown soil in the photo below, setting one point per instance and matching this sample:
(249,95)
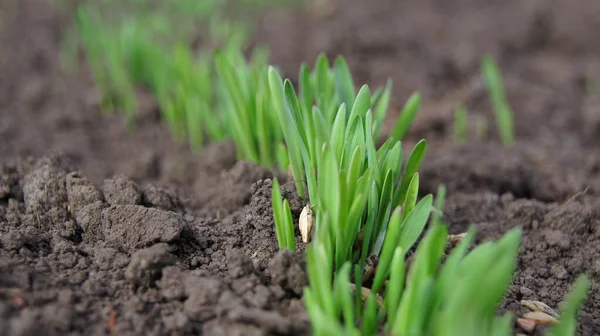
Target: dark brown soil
(107,229)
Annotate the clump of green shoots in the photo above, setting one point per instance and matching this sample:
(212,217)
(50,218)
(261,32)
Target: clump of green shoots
(284,223)
(458,297)
(501,107)
(326,107)
(126,42)
(214,94)
(366,206)
(353,187)
(502,110)
(211,95)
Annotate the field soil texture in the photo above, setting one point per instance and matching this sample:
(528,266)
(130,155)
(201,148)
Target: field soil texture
(107,230)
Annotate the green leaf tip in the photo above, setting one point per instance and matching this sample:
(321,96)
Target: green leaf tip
(502,110)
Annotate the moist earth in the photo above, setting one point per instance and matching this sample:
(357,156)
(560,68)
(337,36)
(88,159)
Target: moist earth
(106,229)
(128,259)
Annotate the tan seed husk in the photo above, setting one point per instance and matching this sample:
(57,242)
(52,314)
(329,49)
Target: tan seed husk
(527,325)
(540,317)
(364,295)
(306,223)
(456,238)
(323,8)
(539,307)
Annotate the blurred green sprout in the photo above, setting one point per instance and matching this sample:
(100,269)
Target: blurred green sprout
(501,107)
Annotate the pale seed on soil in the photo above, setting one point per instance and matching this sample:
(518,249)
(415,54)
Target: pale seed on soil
(539,307)
(364,294)
(526,325)
(10,291)
(456,238)
(540,317)
(322,8)
(305,223)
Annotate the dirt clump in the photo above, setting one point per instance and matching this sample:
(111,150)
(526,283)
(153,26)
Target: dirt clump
(557,237)
(66,251)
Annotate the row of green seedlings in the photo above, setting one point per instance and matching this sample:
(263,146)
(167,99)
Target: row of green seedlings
(125,43)
(203,96)
(221,95)
(364,207)
(502,110)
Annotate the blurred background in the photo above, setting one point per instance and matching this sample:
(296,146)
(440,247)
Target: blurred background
(547,52)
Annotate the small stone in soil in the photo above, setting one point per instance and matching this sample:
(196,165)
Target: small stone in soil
(135,226)
(287,272)
(121,190)
(81,192)
(146,265)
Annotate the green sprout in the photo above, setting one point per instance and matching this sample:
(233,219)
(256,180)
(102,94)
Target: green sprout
(407,116)
(282,215)
(568,312)
(460,123)
(502,109)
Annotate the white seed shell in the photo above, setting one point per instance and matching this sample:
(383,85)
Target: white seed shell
(540,317)
(539,307)
(305,223)
(364,295)
(456,238)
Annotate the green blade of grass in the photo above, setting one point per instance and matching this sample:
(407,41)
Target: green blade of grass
(407,115)
(382,104)
(369,321)
(278,215)
(305,88)
(460,123)
(395,287)
(502,110)
(413,225)
(343,82)
(411,195)
(389,245)
(412,166)
(362,104)
(290,242)
(288,127)
(569,308)
(337,132)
